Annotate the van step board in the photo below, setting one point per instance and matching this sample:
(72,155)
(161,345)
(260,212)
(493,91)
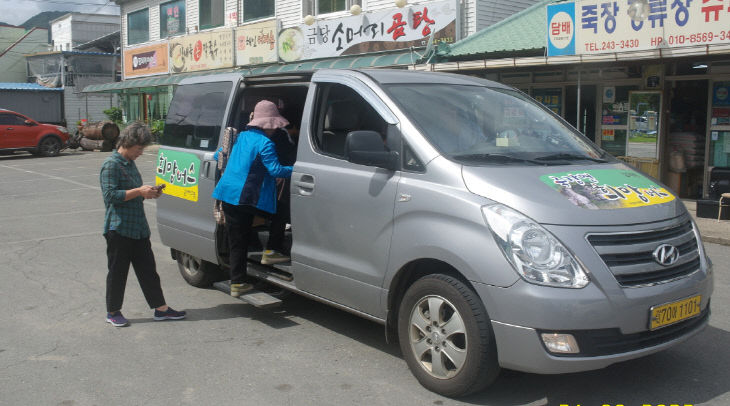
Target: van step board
(281,271)
(254,297)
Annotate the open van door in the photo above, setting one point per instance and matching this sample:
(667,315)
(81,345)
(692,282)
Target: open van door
(185,163)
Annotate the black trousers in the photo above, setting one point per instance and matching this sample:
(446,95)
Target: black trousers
(239,220)
(279,220)
(120,252)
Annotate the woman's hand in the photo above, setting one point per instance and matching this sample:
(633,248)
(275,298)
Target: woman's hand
(149,192)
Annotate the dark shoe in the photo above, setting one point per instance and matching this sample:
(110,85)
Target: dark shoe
(169,314)
(116,319)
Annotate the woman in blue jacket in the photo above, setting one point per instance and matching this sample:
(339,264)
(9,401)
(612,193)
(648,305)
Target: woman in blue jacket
(248,186)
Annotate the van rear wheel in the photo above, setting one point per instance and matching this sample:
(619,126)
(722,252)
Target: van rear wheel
(446,337)
(195,271)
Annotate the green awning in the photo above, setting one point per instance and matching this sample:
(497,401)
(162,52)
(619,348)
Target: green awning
(346,62)
(525,31)
(147,82)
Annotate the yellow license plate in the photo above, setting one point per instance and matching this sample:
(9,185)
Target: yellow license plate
(670,313)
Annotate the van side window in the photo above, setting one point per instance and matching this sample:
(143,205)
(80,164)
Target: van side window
(340,111)
(195,116)
(411,161)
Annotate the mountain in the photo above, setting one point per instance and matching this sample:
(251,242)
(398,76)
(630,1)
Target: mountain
(42,20)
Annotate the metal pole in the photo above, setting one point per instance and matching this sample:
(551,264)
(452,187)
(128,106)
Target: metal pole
(577,107)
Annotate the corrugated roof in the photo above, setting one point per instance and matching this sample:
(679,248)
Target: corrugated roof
(27,86)
(523,31)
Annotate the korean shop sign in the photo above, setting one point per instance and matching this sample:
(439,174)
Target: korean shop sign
(209,50)
(256,43)
(146,60)
(179,171)
(603,26)
(561,29)
(607,189)
(370,32)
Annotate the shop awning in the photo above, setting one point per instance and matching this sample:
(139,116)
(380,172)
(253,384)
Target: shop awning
(347,62)
(404,58)
(525,31)
(147,82)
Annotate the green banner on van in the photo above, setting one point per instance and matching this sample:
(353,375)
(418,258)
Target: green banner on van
(179,172)
(607,188)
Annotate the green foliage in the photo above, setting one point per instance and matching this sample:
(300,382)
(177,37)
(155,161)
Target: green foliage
(157,127)
(114,114)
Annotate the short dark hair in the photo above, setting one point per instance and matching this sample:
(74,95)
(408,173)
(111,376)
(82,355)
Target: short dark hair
(134,134)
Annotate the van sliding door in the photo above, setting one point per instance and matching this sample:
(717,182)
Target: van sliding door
(185,164)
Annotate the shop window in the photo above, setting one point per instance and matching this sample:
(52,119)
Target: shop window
(211,13)
(258,9)
(315,7)
(138,26)
(172,18)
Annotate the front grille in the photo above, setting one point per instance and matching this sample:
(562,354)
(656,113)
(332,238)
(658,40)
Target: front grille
(629,256)
(593,343)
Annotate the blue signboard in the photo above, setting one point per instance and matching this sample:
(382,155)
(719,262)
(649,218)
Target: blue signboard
(561,29)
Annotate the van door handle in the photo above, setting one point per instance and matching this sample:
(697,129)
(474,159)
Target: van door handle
(305,184)
(206,169)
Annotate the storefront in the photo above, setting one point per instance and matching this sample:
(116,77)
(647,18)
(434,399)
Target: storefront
(661,107)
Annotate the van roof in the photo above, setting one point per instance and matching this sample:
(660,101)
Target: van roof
(387,76)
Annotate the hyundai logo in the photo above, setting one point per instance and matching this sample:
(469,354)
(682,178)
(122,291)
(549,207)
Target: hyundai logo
(666,254)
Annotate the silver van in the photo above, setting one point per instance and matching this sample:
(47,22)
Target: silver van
(477,226)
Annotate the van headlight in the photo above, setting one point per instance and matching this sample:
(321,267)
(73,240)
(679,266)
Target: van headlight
(532,250)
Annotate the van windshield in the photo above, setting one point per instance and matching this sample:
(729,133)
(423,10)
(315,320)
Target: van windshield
(478,125)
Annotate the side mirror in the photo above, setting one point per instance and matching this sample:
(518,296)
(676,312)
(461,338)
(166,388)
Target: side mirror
(368,148)
(28,122)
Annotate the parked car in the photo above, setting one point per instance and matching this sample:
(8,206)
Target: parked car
(21,133)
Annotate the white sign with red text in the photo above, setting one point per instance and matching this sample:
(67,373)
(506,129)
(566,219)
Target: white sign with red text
(370,32)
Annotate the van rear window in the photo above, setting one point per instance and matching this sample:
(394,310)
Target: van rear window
(195,116)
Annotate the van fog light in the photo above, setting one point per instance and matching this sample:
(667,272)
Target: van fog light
(560,343)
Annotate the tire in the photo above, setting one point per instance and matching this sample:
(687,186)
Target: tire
(195,271)
(463,343)
(49,146)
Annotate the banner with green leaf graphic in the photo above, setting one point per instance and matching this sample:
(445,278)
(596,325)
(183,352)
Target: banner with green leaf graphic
(607,188)
(179,172)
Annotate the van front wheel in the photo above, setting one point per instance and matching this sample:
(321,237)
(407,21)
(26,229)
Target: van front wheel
(194,270)
(446,337)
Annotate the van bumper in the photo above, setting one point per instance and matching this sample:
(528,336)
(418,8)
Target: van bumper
(520,348)
(607,328)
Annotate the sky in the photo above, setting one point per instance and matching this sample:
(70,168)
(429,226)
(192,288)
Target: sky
(18,11)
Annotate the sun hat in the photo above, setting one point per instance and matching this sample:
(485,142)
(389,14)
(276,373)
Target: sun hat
(266,116)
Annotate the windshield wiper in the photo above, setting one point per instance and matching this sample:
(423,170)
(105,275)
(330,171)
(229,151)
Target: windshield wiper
(568,157)
(495,158)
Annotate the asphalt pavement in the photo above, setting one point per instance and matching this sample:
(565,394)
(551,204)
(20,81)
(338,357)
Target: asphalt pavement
(56,349)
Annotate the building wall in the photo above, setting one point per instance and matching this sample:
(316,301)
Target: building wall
(482,14)
(289,13)
(89,106)
(8,36)
(12,62)
(77,28)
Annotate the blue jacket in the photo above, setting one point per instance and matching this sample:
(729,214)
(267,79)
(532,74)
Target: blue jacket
(249,177)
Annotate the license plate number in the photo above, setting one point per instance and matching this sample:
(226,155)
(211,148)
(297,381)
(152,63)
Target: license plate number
(670,313)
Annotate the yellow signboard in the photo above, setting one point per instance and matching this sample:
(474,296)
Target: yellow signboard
(209,50)
(145,60)
(256,43)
